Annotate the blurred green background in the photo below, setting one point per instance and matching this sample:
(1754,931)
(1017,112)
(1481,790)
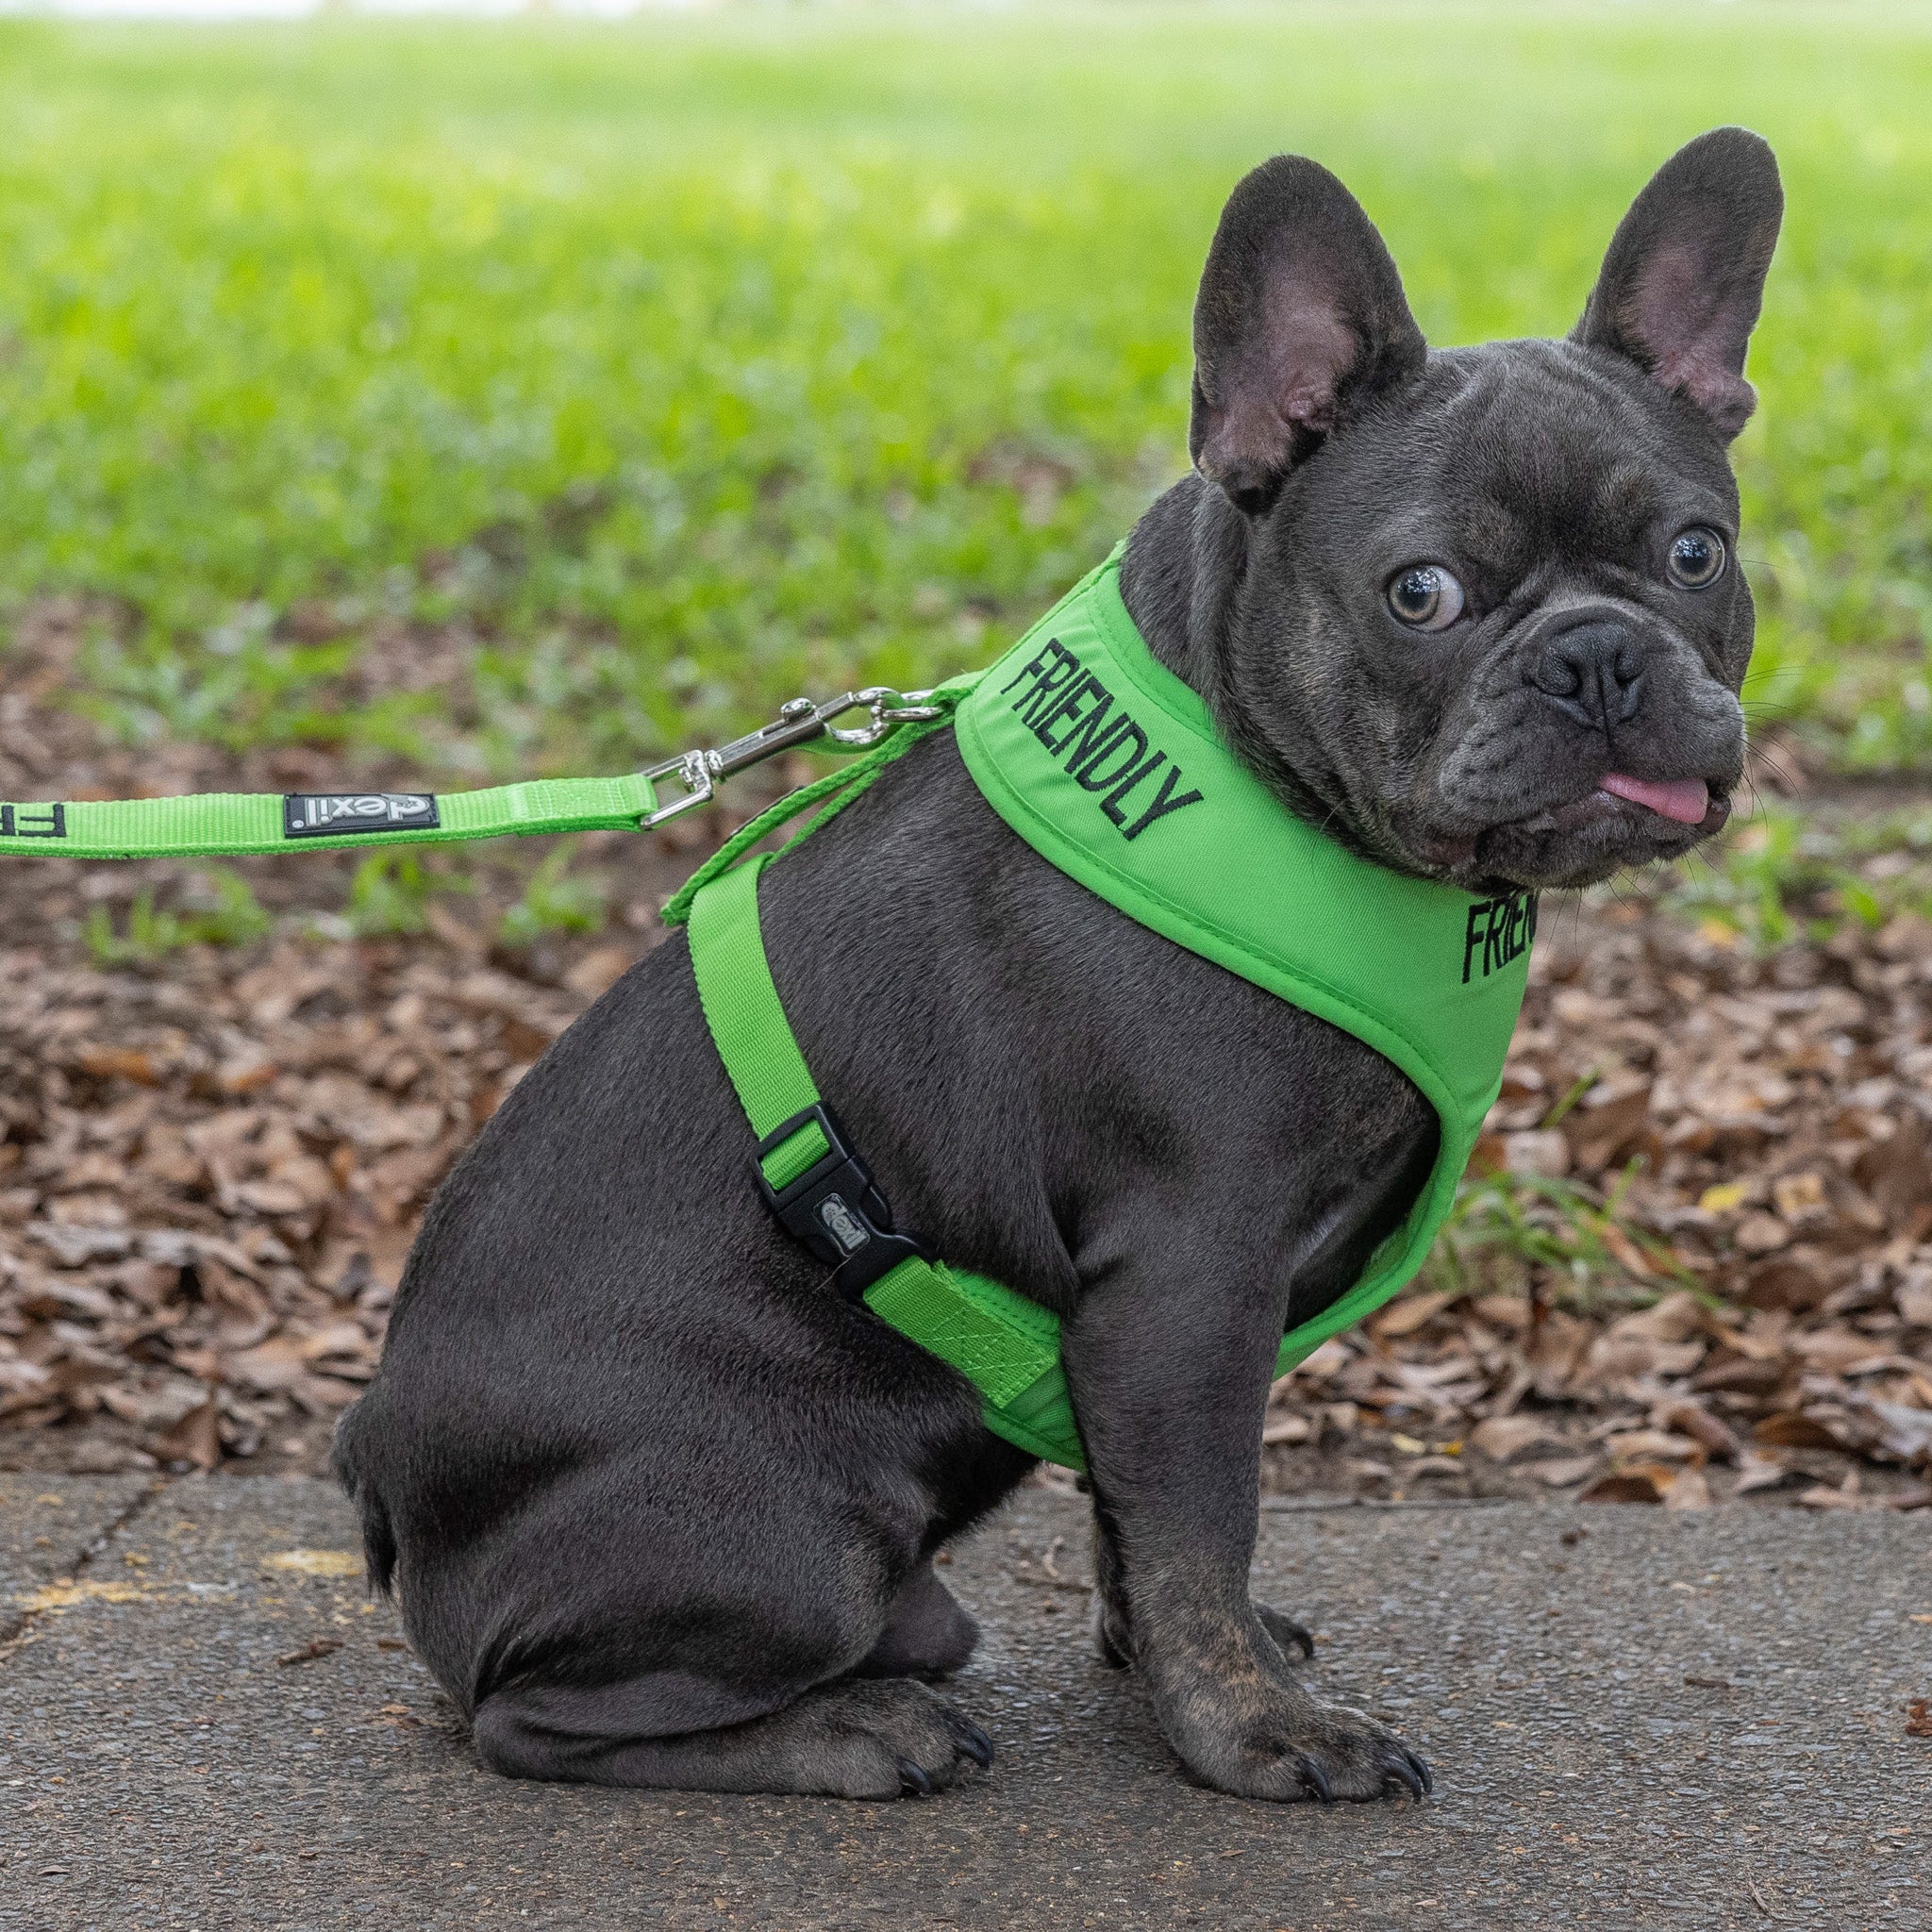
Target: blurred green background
(524,396)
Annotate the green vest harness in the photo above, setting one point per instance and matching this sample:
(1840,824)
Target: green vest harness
(1109,766)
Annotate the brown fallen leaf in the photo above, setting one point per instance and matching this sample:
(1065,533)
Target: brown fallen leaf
(271,1367)
(1897,1171)
(317,1647)
(1823,1496)
(1690,1489)
(1637,1445)
(1798,1280)
(1611,1115)
(1919,1718)
(195,1439)
(1627,1252)
(1502,1438)
(1561,1474)
(1762,1234)
(1760,1472)
(598,971)
(112,1062)
(1791,1430)
(1693,1419)
(1625,1486)
(1408,1313)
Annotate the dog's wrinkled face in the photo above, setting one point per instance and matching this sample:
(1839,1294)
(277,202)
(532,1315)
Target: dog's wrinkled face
(1494,626)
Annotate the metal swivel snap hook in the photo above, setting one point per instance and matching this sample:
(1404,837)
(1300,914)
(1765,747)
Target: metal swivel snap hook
(887,709)
(801,721)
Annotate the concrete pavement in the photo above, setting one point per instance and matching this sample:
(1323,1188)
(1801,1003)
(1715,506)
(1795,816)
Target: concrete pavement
(1636,1719)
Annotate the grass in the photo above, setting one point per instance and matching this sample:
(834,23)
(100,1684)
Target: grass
(218,908)
(517,396)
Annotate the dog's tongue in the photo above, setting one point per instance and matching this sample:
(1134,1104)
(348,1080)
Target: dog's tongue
(1684,799)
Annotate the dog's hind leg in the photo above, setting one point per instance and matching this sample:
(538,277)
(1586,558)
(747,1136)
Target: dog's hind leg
(928,1632)
(848,1739)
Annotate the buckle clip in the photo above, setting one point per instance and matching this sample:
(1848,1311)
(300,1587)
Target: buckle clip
(836,1208)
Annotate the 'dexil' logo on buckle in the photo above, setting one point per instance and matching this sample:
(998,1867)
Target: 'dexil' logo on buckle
(332,814)
(843,1224)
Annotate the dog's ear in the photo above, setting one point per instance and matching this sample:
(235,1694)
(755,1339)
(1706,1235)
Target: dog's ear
(1681,289)
(1300,323)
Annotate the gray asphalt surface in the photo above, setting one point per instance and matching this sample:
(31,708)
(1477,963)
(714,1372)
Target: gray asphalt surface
(1681,1720)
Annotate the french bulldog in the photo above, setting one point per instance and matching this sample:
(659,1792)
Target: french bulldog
(659,1505)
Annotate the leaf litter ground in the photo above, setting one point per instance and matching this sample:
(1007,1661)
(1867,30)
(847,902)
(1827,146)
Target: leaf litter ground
(1693,1264)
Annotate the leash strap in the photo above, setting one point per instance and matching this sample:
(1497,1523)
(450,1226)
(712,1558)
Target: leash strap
(228,825)
(1007,1346)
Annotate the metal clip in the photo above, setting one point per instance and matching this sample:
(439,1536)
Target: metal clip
(888,710)
(798,723)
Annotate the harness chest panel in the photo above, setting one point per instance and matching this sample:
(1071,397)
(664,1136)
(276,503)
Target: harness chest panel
(1111,767)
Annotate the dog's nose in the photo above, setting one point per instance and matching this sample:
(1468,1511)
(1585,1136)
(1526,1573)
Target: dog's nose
(1594,670)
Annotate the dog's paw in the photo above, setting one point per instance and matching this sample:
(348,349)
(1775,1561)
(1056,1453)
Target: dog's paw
(1306,1749)
(889,1739)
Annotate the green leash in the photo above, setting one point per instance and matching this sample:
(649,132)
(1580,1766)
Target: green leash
(226,825)
(230,825)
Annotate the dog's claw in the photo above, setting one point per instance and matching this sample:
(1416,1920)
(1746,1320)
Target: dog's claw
(1286,1631)
(976,1745)
(1410,1770)
(912,1780)
(1315,1778)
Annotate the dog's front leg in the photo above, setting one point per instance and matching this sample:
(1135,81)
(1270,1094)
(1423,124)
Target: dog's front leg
(1170,1381)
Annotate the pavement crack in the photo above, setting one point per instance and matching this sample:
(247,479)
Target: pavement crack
(17,1625)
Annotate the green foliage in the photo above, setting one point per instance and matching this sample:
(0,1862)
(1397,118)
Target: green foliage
(555,901)
(1787,875)
(390,893)
(221,910)
(1508,1228)
(522,394)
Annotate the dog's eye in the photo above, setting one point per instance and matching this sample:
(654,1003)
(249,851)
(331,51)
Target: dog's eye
(1696,560)
(1426,597)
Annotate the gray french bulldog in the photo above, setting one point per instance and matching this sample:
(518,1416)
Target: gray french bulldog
(661,1505)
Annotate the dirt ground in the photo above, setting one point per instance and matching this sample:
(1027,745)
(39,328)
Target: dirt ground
(1697,1266)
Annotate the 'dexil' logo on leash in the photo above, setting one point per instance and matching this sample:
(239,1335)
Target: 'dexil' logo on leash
(332,814)
(1498,931)
(1098,745)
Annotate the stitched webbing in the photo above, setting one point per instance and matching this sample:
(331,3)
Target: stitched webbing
(747,1020)
(1005,1345)
(228,825)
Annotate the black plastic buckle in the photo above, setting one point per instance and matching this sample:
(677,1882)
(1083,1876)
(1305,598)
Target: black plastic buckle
(835,1208)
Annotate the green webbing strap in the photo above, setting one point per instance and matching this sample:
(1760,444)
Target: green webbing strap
(747,1020)
(1005,1345)
(229,824)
